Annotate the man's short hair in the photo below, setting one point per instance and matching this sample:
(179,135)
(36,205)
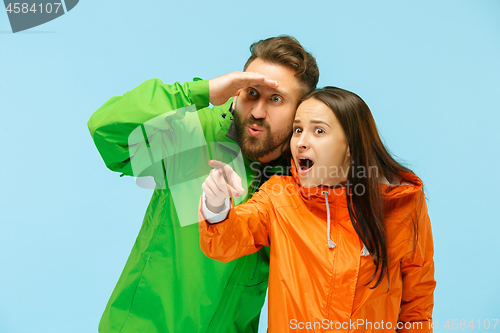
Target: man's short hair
(287,51)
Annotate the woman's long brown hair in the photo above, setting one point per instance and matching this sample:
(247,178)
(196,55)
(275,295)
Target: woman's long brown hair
(367,153)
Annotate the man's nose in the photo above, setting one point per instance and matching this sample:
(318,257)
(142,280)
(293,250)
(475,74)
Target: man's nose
(259,109)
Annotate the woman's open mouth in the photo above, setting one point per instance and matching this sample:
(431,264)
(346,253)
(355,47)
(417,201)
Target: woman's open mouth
(305,165)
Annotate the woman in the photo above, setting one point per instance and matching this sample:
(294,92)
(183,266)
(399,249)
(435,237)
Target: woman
(350,237)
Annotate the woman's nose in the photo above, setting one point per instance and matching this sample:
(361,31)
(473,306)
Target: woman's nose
(302,142)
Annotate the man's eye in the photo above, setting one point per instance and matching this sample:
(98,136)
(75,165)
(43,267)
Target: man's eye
(297,130)
(276,99)
(319,131)
(252,92)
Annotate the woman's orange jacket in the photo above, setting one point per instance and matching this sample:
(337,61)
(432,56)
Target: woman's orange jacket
(314,288)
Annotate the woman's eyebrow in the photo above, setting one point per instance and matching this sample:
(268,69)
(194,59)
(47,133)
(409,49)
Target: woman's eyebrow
(319,121)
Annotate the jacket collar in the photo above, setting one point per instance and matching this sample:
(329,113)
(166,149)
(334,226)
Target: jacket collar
(231,132)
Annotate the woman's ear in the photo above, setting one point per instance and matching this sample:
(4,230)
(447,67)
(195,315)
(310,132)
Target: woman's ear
(347,157)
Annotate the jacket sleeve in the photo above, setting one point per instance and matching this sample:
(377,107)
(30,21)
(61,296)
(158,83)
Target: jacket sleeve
(117,127)
(417,269)
(244,231)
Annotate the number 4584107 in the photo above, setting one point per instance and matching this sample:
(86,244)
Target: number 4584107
(462,324)
(24,8)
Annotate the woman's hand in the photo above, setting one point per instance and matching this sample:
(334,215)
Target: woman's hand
(223,182)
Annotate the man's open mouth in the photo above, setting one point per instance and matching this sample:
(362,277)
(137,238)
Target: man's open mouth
(305,163)
(255,130)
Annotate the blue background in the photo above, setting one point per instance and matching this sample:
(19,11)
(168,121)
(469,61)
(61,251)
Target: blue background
(429,70)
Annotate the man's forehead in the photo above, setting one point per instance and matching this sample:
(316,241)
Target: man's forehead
(280,91)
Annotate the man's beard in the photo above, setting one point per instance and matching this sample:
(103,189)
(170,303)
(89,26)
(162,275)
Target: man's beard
(267,142)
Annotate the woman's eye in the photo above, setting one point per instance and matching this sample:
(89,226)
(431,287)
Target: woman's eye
(319,131)
(297,130)
(276,99)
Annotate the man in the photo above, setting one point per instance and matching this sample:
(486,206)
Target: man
(168,285)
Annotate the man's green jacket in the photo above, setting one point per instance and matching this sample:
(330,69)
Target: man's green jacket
(168,284)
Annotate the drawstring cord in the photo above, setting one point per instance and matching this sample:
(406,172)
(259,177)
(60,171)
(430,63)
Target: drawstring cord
(330,244)
(364,251)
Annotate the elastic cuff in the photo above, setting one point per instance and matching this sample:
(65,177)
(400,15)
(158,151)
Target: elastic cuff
(214,217)
(199,93)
